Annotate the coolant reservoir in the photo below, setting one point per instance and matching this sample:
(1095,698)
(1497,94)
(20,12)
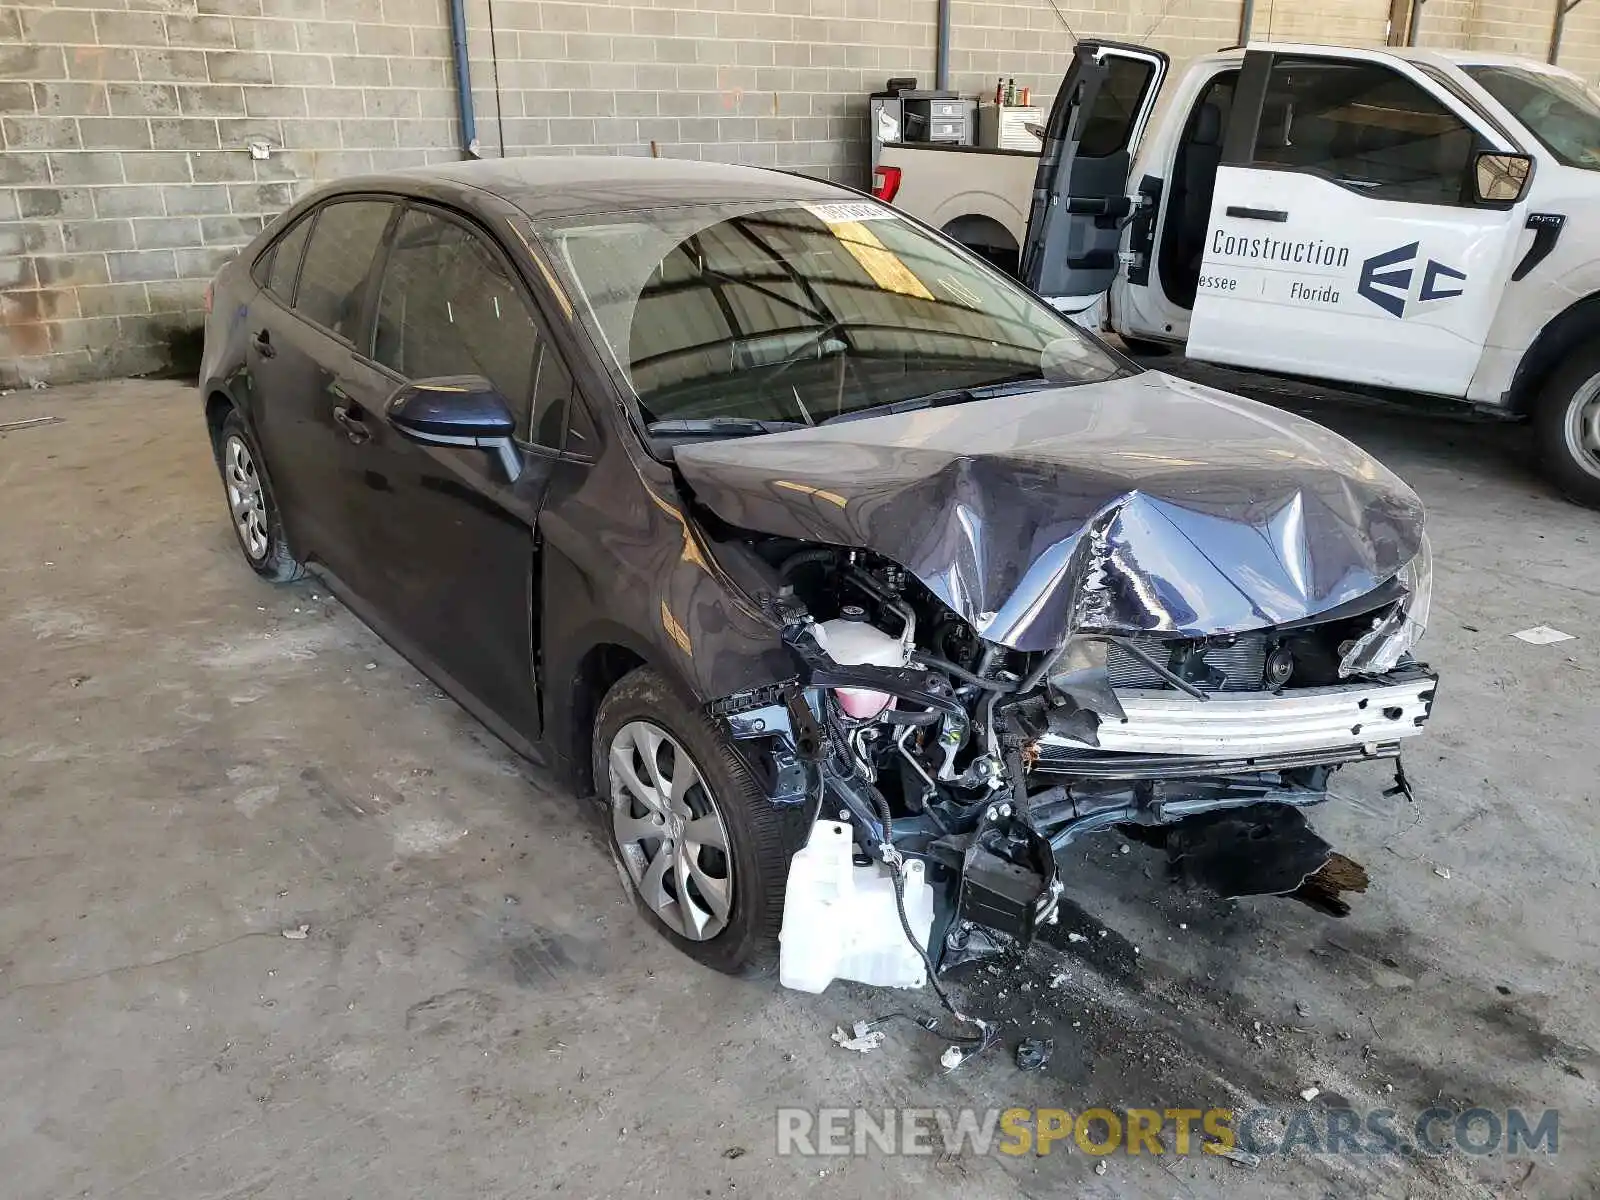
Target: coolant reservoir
(840,921)
(852,641)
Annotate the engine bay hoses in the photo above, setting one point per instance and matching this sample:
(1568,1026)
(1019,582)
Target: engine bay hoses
(934,663)
(893,860)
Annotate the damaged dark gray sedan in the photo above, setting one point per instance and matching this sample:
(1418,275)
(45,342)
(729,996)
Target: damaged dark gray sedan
(818,552)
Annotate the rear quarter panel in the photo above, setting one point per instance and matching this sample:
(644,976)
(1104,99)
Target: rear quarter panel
(938,186)
(222,358)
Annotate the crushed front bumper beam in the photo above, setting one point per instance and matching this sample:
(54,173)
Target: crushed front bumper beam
(1249,724)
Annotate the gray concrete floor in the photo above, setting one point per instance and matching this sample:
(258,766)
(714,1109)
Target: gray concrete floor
(192,761)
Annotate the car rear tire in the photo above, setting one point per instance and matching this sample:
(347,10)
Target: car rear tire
(252,511)
(1567,423)
(705,852)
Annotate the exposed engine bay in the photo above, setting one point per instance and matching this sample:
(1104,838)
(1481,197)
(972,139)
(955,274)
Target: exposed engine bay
(1141,605)
(978,763)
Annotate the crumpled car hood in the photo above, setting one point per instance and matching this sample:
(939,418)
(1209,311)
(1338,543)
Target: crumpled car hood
(1143,504)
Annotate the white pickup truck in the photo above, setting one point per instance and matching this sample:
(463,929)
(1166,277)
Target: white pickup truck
(1397,219)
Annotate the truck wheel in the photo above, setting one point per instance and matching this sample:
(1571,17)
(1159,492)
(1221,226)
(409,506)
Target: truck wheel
(705,851)
(1567,422)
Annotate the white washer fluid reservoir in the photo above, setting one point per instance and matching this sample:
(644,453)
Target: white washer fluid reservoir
(840,921)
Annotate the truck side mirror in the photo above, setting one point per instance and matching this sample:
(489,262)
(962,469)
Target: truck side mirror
(1498,180)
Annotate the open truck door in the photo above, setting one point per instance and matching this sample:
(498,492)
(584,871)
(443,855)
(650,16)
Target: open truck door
(1364,226)
(1080,194)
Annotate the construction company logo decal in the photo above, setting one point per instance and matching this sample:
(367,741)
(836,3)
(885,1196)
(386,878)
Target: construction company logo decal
(1386,280)
(1297,252)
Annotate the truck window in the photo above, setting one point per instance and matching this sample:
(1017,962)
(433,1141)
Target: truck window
(1367,127)
(1108,125)
(1560,110)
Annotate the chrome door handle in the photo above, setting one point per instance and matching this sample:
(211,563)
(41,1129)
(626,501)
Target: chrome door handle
(354,428)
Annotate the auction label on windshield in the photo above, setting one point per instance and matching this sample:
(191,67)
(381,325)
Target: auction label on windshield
(848,210)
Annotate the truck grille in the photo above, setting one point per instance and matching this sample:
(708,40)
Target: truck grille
(1244,663)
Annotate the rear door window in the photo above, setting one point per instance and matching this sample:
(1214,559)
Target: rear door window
(1109,123)
(449,306)
(286,261)
(338,265)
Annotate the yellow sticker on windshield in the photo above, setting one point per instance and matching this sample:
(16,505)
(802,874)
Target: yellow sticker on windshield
(885,267)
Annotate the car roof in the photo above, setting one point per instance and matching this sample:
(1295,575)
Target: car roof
(548,186)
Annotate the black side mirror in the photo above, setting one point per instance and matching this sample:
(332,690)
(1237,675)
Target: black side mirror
(1498,180)
(457,410)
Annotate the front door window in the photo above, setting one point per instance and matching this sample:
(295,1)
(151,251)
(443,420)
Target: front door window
(448,306)
(1367,127)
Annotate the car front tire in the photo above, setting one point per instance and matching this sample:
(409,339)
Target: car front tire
(1567,425)
(252,511)
(705,852)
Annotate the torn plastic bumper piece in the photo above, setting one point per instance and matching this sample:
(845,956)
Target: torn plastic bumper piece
(1258,850)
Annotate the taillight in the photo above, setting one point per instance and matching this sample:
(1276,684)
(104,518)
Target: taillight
(885,183)
(208,299)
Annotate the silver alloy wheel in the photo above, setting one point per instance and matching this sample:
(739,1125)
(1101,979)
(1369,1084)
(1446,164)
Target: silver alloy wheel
(245,499)
(1583,426)
(670,833)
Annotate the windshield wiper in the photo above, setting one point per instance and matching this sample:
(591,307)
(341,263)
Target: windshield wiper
(719,427)
(960,395)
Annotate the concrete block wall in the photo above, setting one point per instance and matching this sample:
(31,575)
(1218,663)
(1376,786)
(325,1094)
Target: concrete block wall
(126,176)
(1351,23)
(1515,27)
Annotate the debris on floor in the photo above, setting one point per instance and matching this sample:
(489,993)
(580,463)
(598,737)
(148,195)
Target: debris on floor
(1100,1167)
(862,1038)
(1442,872)
(1542,635)
(1033,1054)
(297,933)
(952,1058)
(28,423)
(1239,1158)
(1310,1094)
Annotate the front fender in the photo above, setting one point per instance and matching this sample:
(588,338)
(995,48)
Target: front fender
(625,566)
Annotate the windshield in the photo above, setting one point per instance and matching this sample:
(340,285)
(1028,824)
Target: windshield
(802,312)
(1562,112)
